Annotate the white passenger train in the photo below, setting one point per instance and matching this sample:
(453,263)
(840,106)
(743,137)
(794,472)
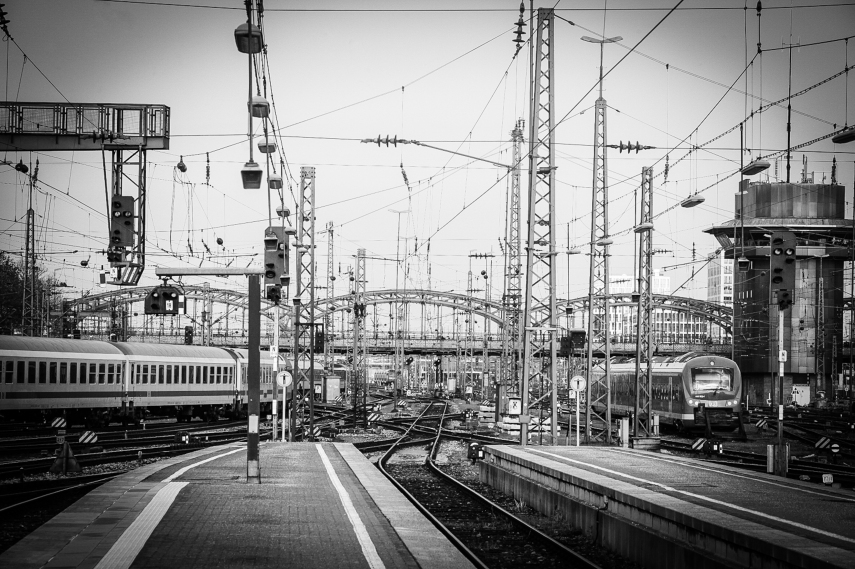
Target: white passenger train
(97,382)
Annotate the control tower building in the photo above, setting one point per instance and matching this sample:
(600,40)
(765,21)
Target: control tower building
(813,325)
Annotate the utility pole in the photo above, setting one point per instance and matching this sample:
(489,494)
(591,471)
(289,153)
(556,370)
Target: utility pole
(329,320)
(599,334)
(304,297)
(540,355)
(28,322)
(484,275)
(399,340)
(360,378)
(512,299)
(643,424)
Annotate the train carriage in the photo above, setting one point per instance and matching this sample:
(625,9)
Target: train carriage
(51,373)
(192,380)
(691,390)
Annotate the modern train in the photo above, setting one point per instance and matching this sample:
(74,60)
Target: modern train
(93,382)
(688,391)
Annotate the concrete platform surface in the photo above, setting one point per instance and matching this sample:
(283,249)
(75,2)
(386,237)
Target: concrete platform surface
(318,505)
(806,509)
(712,514)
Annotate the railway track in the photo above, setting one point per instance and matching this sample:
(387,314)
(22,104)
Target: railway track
(488,534)
(797,469)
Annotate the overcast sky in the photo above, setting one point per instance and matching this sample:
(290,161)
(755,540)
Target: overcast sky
(441,72)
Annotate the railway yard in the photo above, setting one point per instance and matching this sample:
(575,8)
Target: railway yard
(429,465)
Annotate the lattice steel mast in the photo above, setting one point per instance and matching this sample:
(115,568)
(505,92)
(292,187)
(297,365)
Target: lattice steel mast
(540,317)
(329,321)
(359,351)
(643,370)
(304,298)
(599,336)
(511,332)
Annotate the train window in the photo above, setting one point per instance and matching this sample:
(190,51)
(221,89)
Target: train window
(9,371)
(87,369)
(31,372)
(21,372)
(198,374)
(72,373)
(168,374)
(161,375)
(204,374)
(183,374)
(52,372)
(43,372)
(102,371)
(219,374)
(144,374)
(711,379)
(63,372)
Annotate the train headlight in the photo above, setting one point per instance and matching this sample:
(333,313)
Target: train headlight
(692,402)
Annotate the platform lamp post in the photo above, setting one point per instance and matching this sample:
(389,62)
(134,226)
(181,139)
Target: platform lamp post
(249,41)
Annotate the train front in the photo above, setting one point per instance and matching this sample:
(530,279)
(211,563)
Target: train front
(712,389)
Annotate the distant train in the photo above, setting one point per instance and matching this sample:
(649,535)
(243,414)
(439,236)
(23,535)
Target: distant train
(96,382)
(688,390)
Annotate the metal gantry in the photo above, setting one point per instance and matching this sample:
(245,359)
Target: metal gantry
(539,361)
(304,298)
(643,369)
(512,299)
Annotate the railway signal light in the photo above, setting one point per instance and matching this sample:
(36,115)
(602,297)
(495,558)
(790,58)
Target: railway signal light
(122,221)
(782,266)
(320,338)
(188,335)
(276,262)
(165,300)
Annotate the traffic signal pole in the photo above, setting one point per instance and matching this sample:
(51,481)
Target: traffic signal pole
(253,379)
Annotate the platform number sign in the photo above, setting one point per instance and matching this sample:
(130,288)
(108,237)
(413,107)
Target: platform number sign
(828,479)
(514,406)
(60,436)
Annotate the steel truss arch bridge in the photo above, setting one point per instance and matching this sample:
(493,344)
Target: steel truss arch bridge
(704,323)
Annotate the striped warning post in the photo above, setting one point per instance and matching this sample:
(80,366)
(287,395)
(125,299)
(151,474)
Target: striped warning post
(698,444)
(58,423)
(823,443)
(88,437)
(373,417)
(762,423)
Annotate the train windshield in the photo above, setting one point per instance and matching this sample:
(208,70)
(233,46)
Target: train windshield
(712,379)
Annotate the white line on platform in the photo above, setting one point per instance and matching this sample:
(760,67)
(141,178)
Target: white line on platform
(181,471)
(133,539)
(368,549)
(698,496)
(131,542)
(735,475)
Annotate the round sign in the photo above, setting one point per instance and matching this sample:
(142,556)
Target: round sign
(577,383)
(284,379)
(835,448)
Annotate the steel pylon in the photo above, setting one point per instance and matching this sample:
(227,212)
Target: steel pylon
(643,369)
(329,321)
(360,352)
(539,360)
(512,300)
(304,310)
(598,400)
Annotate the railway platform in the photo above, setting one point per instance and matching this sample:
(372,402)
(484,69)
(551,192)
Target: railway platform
(318,505)
(670,512)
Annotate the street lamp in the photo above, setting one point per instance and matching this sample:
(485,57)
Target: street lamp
(248,40)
